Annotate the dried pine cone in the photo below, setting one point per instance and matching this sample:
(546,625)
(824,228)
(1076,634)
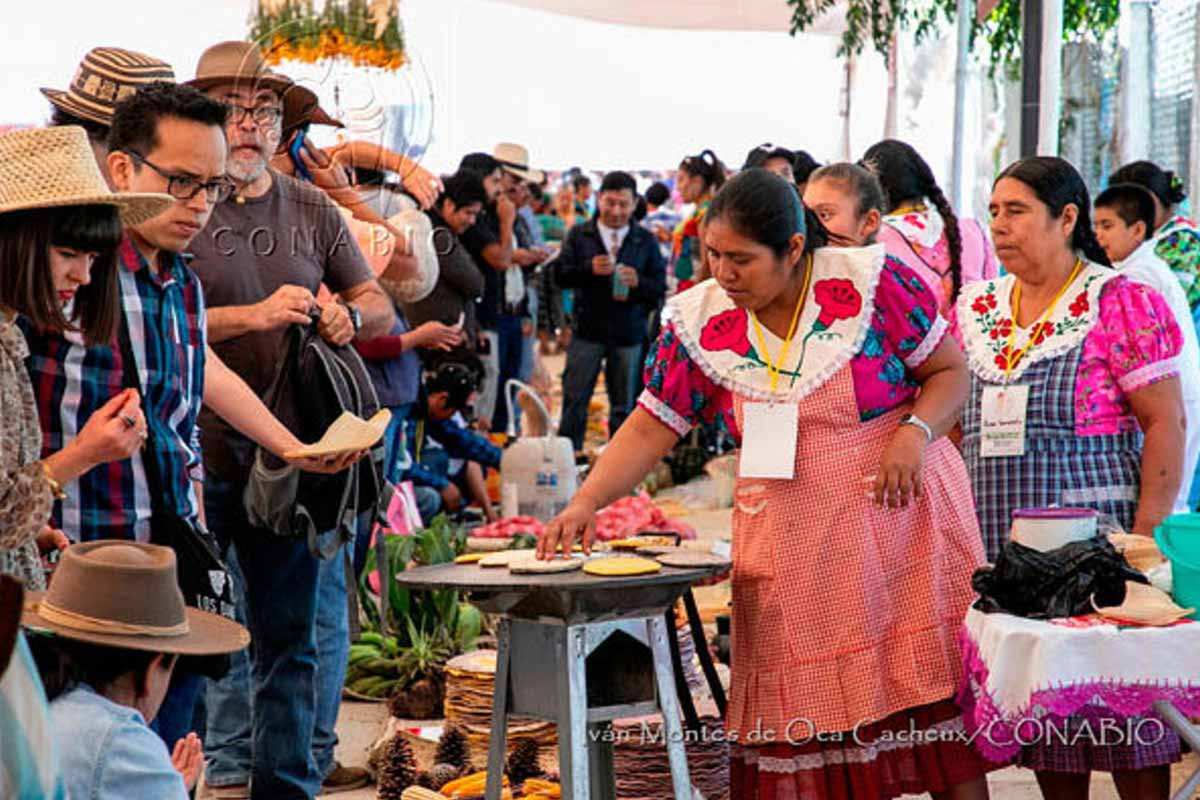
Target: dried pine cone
(398,771)
(525,762)
(443,774)
(453,748)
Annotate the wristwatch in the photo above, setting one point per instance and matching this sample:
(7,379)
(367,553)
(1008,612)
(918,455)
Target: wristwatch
(355,316)
(917,422)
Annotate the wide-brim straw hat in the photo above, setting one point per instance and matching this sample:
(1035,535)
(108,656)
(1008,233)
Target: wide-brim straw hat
(240,64)
(105,77)
(514,158)
(126,595)
(55,167)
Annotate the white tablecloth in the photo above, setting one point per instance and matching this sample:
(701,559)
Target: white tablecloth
(1020,669)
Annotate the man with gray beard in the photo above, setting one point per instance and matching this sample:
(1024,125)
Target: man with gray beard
(261,259)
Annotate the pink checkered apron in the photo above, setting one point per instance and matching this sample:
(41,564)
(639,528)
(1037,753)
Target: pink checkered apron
(845,613)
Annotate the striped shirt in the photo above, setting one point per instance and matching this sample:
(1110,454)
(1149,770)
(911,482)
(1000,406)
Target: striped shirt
(164,309)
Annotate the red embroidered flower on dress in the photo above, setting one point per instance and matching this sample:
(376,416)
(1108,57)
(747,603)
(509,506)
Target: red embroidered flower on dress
(1080,306)
(838,299)
(726,331)
(1007,359)
(1003,328)
(984,304)
(1041,332)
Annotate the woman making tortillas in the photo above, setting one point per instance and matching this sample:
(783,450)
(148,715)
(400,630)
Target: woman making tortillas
(854,532)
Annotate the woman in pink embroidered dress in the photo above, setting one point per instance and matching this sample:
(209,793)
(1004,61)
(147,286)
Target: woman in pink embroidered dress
(851,576)
(1095,357)
(921,229)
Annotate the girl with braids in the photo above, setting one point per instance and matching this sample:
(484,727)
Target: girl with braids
(921,229)
(1176,238)
(1089,361)
(833,667)
(698,178)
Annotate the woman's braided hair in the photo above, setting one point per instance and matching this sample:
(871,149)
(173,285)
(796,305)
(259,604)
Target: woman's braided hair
(906,176)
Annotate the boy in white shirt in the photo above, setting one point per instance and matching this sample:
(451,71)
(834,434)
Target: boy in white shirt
(1124,219)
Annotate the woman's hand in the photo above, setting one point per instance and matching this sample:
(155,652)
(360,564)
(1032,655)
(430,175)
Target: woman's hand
(421,184)
(578,520)
(899,478)
(327,173)
(434,335)
(115,431)
(188,760)
(52,539)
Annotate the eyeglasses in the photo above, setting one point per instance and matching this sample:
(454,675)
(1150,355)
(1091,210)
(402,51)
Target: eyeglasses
(263,116)
(185,187)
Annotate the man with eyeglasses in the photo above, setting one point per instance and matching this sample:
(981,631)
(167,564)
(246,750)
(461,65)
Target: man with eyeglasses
(261,260)
(164,138)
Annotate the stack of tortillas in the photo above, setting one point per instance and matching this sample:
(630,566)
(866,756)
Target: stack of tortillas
(640,758)
(470,680)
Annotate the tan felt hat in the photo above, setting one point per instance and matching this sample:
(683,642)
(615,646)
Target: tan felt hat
(126,595)
(54,167)
(238,63)
(105,77)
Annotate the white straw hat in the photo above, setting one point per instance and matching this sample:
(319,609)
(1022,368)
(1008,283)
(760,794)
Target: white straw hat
(53,167)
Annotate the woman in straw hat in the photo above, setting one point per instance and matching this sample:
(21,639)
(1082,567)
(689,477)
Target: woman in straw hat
(115,619)
(59,227)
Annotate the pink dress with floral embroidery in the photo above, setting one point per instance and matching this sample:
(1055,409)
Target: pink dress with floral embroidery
(905,328)
(919,241)
(1107,339)
(844,614)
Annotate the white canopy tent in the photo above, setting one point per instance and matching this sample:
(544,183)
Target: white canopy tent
(621,83)
(729,15)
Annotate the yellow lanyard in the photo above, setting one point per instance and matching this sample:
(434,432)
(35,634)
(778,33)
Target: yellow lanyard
(1015,356)
(773,369)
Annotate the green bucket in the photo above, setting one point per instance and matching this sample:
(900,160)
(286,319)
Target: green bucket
(1178,538)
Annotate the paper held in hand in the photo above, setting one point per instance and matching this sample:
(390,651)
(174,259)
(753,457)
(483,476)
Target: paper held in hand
(348,434)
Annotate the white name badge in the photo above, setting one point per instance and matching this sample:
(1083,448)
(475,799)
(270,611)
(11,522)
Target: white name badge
(769,440)
(1003,415)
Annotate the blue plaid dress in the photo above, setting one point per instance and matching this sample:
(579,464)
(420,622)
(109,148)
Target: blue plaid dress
(1059,466)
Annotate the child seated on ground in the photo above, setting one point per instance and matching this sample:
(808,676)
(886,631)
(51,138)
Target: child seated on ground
(447,457)
(113,626)
(1124,222)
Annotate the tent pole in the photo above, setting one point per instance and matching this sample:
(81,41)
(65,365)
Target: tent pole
(1136,72)
(1031,68)
(958,191)
(1051,77)
(847,96)
(891,127)
(1194,150)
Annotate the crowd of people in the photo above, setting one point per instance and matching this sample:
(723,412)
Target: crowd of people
(159,240)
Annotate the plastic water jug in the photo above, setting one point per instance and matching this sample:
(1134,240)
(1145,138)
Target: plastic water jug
(539,471)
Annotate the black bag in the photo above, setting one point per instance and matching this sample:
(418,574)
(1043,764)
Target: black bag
(1060,583)
(315,383)
(203,577)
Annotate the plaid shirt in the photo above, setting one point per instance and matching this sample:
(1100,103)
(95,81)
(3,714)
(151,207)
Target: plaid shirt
(165,312)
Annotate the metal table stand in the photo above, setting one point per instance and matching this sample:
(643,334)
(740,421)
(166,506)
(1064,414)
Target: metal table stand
(579,651)
(598,673)
(1189,733)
